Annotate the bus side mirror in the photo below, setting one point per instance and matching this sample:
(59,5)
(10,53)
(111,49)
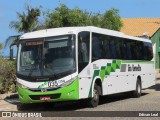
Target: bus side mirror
(11,52)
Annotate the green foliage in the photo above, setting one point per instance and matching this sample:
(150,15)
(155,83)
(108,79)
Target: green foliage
(1,46)
(62,16)
(7,76)
(26,22)
(95,19)
(58,18)
(111,20)
(77,17)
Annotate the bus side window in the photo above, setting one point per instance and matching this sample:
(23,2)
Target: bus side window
(83,50)
(96,49)
(107,48)
(145,51)
(118,48)
(150,51)
(112,48)
(133,50)
(128,49)
(98,46)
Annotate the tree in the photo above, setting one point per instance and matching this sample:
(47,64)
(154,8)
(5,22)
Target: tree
(95,19)
(26,22)
(111,20)
(58,18)
(62,16)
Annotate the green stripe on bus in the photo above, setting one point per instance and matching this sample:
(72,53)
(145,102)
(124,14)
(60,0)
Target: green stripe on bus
(112,67)
(105,70)
(96,73)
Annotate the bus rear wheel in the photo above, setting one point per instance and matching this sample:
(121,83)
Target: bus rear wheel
(137,93)
(94,101)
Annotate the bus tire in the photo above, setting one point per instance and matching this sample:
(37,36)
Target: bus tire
(137,93)
(94,101)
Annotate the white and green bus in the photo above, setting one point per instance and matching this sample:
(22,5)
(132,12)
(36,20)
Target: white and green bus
(73,63)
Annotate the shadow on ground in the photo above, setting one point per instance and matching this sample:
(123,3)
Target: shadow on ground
(155,87)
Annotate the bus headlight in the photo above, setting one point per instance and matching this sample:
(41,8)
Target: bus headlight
(67,83)
(22,86)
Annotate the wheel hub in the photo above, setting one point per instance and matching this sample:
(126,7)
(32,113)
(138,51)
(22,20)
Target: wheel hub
(95,95)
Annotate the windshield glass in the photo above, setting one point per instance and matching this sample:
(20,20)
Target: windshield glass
(48,57)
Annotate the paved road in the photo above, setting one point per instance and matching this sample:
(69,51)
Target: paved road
(149,101)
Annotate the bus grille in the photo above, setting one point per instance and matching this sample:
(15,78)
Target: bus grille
(39,90)
(52,96)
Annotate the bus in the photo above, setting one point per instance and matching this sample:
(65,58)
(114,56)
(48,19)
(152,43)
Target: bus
(76,63)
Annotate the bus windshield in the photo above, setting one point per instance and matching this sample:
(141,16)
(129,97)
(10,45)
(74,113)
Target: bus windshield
(47,57)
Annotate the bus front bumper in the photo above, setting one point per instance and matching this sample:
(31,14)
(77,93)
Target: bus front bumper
(66,93)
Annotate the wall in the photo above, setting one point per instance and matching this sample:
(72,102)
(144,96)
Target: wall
(156,40)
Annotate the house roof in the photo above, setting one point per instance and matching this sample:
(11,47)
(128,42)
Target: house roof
(140,26)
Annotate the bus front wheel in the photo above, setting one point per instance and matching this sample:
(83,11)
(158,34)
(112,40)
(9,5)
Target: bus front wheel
(94,101)
(22,106)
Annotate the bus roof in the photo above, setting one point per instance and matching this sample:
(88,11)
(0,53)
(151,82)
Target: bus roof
(75,30)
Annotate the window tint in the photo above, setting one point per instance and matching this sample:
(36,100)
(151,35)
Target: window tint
(97,47)
(110,47)
(128,50)
(83,50)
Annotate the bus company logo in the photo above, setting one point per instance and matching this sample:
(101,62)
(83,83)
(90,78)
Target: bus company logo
(6,114)
(134,68)
(95,66)
(43,90)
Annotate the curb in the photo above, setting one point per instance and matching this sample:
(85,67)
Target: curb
(8,96)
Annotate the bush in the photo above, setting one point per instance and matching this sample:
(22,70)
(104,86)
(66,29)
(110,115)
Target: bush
(7,76)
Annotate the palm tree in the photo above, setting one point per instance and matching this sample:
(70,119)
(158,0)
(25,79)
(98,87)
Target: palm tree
(26,23)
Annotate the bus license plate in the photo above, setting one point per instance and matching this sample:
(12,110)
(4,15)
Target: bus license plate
(45,98)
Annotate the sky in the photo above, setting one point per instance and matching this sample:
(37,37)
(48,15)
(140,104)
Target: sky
(127,9)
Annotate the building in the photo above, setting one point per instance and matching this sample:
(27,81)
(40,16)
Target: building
(145,27)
